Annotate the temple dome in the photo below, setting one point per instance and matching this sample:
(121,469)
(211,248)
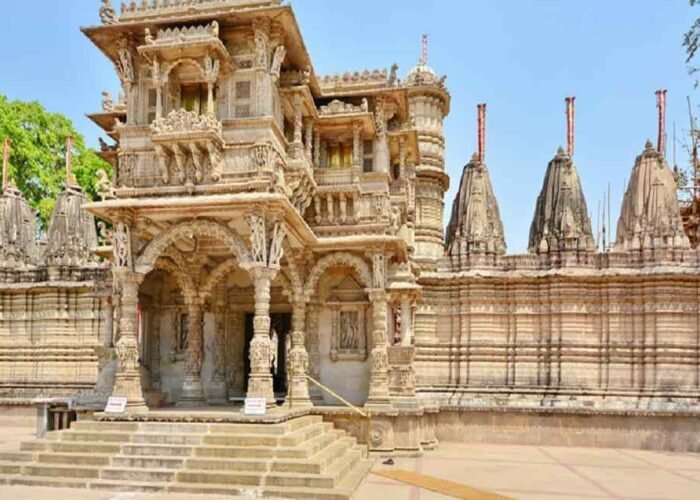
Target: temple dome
(475,225)
(72,235)
(650,215)
(421,74)
(561,220)
(18,246)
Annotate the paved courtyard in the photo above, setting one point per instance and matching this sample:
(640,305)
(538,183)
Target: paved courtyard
(528,472)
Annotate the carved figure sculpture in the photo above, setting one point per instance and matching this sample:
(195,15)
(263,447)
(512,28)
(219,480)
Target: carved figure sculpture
(107,13)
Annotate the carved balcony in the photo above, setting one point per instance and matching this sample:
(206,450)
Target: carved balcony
(189,147)
(186,43)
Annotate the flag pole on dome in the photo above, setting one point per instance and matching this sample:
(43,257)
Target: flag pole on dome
(570,125)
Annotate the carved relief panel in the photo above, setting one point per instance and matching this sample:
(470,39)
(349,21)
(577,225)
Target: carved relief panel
(348,331)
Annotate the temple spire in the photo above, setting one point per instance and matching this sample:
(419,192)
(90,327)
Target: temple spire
(424,51)
(5,163)
(475,225)
(570,124)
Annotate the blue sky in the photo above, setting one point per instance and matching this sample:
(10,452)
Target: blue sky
(522,57)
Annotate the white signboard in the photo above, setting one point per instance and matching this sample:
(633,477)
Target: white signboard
(255,406)
(116,405)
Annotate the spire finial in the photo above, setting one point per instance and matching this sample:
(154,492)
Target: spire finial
(69,153)
(5,163)
(570,125)
(424,52)
(661,106)
(481,131)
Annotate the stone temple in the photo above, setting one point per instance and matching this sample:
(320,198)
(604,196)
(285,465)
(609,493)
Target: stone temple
(275,234)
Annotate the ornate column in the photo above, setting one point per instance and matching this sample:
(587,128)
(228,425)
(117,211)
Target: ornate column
(356,145)
(317,150)
(218,384)
(192,388)
(298,362)
(261,40)
(379,376)
(128,378)
(406,317)
(260,377)
(309,138)
(381,157)
(126,283)
(313,348)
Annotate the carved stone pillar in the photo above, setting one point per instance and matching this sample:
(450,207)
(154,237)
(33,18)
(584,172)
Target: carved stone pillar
(343,205)
(218,391)
(154,344)
(298,362)
(379,376)
(329,206)
(406,322)
(128,378)
(309,138)
(192,389)
(356,145)
(317,150)
(261,41)
(314,350)
(260,377)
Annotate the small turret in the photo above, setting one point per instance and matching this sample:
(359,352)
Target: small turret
(561,219)
(72,235)
(18,247)
(650,216)
(475,225)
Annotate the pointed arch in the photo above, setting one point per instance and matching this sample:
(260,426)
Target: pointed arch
(337,259)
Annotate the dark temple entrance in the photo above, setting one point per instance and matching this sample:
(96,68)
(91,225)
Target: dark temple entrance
(281,323)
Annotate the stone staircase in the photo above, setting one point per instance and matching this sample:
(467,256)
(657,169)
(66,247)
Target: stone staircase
(300,458)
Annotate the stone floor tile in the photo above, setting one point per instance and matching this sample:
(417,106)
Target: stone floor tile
(598,457)
(646,484)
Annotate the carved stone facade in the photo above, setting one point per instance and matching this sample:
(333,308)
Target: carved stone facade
(273,229)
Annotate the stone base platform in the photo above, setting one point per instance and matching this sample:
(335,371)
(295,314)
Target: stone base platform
(170,451)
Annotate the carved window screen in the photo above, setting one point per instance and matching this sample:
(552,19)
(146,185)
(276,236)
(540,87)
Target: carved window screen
(241,98)
(151,105)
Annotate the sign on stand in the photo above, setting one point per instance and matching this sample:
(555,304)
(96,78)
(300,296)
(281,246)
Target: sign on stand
(116,405)
(255,406)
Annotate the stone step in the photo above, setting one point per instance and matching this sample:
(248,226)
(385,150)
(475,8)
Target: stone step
(162,438)
(95,426)
(53,482)
(73,458)
(147,462)
(138,475)
(70,447)
(17,456)
(61,470)
(92,437)
(158,450)
(218,477)
(10,468)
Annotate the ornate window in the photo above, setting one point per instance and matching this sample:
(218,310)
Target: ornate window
(241,99)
